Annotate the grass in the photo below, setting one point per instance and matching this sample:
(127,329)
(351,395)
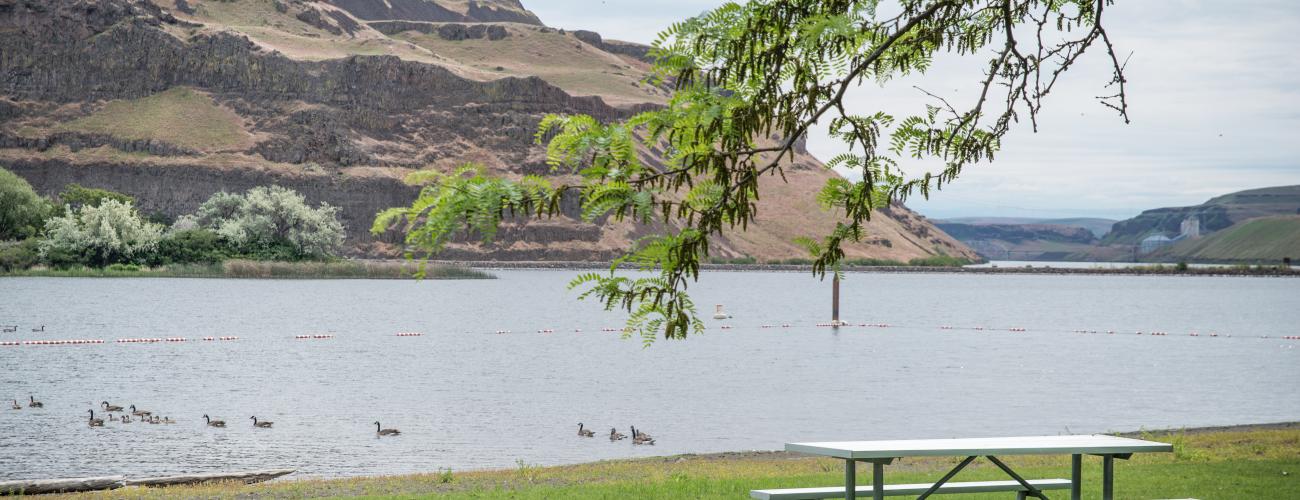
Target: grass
(346,269)
(1256,463)
(179,115)
(1264,239)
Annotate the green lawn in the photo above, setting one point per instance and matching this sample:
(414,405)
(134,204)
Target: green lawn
(1231,464)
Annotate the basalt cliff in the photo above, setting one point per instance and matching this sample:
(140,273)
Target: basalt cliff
(174,100)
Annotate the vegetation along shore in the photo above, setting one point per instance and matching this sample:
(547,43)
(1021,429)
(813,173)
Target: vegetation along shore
(794,265)
(1252,461)
(253,269)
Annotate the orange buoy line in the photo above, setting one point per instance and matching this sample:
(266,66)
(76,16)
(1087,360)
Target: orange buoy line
(410,334)
(313,337)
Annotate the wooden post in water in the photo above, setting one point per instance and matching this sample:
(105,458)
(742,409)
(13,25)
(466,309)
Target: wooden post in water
(835,301)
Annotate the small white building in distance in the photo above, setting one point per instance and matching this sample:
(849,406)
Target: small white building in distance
(1191,228)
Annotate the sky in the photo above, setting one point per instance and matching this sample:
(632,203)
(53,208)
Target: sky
(1214,91)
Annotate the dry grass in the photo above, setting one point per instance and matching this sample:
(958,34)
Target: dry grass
(179,115)
(1229,464)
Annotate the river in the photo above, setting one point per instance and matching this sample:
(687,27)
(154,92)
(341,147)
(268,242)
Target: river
(466,397)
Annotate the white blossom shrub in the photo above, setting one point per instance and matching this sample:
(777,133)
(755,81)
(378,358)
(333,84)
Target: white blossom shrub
(270,222)
(110,233)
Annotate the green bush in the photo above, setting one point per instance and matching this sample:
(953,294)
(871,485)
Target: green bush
(872,262)
(20,255)
(190,246)
(77,196)
(22,211)
(130,268)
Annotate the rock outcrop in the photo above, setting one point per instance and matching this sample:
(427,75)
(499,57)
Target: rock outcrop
(343,127)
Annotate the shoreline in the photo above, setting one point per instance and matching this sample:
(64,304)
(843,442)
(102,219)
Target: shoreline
(1249,456)
(1047,269)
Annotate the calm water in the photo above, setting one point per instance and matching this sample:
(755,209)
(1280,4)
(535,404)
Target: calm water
(467,398)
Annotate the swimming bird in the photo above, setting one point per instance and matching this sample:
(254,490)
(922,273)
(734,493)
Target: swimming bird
(639,437)
(126,419)
(33,403)
(140,413)
(614,435)
(379,430)
(112,417)
(17,406)
(263,424)
(95,422)
(214,423)
(109,407)
(583,432)
(154,420)
(168,420)
(41,329)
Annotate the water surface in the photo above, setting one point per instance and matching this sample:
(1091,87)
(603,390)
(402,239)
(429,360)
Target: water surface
(465,397)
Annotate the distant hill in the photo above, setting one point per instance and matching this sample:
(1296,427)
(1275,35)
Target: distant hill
(1260,239)
(1216,214)
(1098,227)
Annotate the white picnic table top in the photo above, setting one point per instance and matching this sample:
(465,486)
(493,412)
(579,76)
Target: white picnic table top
(1095,444)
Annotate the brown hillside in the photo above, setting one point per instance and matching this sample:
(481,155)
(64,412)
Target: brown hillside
(173,100)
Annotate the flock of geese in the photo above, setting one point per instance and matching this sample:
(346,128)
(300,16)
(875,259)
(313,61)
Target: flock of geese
(132,414)
(638,437)
(14,328)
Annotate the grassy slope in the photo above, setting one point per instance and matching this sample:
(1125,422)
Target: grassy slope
(1224,464)
(1260,239)
(179,115)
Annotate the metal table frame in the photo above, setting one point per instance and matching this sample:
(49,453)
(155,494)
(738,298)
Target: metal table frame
(878,454)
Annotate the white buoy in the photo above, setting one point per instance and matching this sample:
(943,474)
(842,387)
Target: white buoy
(718,313)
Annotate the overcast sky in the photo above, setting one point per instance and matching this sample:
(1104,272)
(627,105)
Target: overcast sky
(1214,90)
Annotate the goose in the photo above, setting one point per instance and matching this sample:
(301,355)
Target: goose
(109,407)
(614,435)
(17,406)
(112,417)
(263,424)
(95,422)
(154,420)
(140,413)
(168,420)
(214,423)
(639,437)
(33,403)
(583,432)
(37,330)
(126,419)
(379,430)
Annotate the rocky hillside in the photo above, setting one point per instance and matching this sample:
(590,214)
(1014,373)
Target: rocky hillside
(173,100)
(1216,214)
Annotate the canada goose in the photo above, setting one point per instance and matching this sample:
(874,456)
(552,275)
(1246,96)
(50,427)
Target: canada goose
(583,432)
(614,435)
(379,430)
(112,417)
(168,420)
(95,422)
(263,424)
(639,437)
(41,329)
(126,419)
(155,420)
(140,413)
(109,407)
(17,406)
(214,423)
(33,403)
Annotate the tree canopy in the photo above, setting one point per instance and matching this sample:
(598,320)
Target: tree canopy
(22,211)
(750,80)
(270,222)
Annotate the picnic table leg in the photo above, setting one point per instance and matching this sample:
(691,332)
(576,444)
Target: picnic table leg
(1076,477)
(1107,477)
(850,479)
(878,480)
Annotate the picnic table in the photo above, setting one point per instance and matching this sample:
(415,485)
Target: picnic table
(882,453)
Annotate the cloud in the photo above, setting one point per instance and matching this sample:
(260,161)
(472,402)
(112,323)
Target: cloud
(1214,89)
